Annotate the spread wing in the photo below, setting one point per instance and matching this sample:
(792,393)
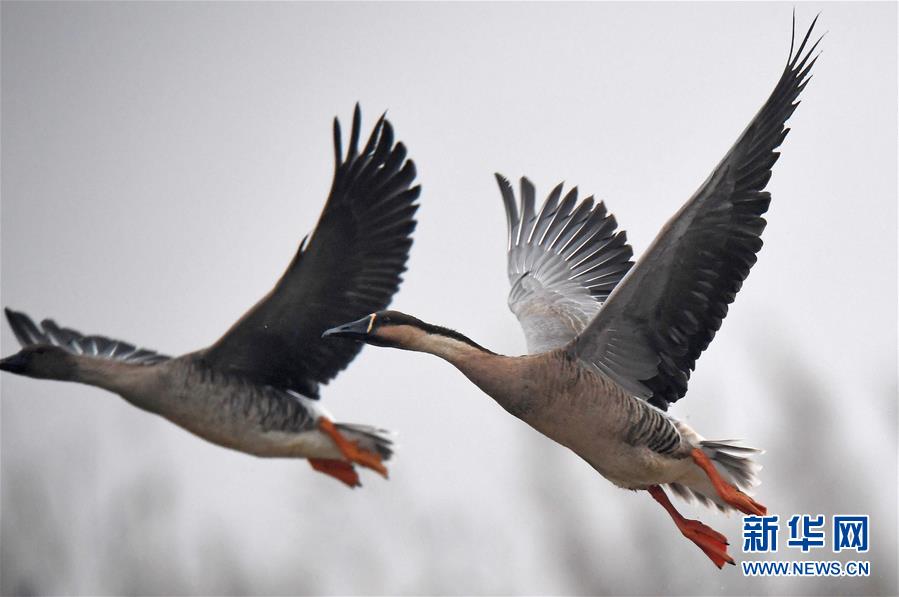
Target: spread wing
(29,334)
(655,325)
(352,266)
(563,263)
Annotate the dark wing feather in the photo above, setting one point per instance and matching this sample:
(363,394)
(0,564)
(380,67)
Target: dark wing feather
(350,267)
(658,321)
(101,347)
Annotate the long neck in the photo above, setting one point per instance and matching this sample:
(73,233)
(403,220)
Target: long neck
(454,350)
(493,373)
(129,380)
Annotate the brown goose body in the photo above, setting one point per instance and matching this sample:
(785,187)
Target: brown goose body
(225,409)
(612,343)
(256,389)
(628,441)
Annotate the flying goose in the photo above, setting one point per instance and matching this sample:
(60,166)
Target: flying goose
(256,389)
(610,346)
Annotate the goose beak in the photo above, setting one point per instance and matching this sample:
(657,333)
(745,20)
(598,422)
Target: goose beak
(355,330)
(14,364)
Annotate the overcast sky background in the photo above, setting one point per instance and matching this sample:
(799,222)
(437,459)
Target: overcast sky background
(161,162)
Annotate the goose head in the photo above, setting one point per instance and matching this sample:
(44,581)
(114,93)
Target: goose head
(384,328)
(41,361)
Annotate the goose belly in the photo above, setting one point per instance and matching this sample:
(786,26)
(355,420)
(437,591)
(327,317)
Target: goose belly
(627,444)
(261,421)
(633,467)
(625,465)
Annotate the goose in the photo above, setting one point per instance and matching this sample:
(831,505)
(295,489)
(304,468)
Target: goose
(611,344)
(256,389)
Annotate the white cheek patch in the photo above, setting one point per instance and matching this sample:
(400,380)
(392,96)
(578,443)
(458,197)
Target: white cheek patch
(371,323)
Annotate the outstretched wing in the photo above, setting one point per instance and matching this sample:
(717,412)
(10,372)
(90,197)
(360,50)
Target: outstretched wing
(349,268)
(29,334)
(655,325)
(563,263)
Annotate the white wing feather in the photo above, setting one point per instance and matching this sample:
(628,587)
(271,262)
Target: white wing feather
(563,262)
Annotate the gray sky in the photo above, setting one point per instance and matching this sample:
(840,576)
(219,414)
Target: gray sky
(162,161)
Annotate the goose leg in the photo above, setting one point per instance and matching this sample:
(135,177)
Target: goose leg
(710,541)
(351,450)
(340,470)
(730,494)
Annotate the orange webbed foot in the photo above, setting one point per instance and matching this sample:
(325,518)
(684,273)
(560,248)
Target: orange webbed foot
(710,541)
(744,503)
(730,494)
(351,450)
(340,470)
